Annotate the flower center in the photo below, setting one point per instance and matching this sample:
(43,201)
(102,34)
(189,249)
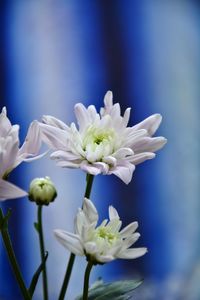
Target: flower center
(100,141)
(97,136)
(105,234)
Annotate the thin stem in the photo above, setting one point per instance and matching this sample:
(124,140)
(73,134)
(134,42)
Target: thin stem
(89,182)
(42,252)
(67,276)
(88,189)
(12,259)
(86,280)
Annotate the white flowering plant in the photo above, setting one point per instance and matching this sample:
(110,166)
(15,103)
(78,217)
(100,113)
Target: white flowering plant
(102,143)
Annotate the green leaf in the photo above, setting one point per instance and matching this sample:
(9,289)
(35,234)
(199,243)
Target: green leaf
(119,290)
(4,223)
(36,225)
(36,276)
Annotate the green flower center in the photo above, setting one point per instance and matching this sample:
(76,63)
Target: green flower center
(106,234)
(95,137)
(99,138)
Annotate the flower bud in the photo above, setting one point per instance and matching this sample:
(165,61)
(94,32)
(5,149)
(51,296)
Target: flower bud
(42,191)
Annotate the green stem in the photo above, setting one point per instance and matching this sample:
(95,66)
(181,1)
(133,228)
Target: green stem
(67,276)
(86,280)
(12,259)
(89,182)
(42,252)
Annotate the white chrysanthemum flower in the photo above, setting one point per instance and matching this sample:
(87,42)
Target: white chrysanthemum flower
(103,143)
(11,155)
(103,243)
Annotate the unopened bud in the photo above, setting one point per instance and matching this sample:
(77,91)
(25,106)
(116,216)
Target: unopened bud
(42,191)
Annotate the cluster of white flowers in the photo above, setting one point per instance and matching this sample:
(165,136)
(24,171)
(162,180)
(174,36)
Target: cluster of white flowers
(103,143)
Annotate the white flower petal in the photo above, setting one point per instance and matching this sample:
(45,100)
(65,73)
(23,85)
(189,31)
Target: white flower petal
(151,124)
(148,144)
(113,214)
(129,229)
(33,141)
(79,222)
(85,232)
(30,159)
(129,241)
(5,125)
(82,116)
(132,253)
(68,164)
(110,160)
(104,258)
(90,210)
(54,137)
(94,116)
(133,136)
(103,223)
(114,225)
(90,248)
(103,167)
(70,241)
(108,100)
(49,120)
(115,250)
(116,112)
(10,191)
(141,157)
(90,155)
(122,153)
(89,168)
(126,116)
(124,172)
(8,155)
(64,155)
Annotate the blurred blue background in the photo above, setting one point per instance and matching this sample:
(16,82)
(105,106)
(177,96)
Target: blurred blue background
(54,54)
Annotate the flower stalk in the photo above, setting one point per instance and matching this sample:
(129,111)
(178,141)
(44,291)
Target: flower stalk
(42,252)
(12,258)
(88,189)
(86,280)
(67,276)
(89,182)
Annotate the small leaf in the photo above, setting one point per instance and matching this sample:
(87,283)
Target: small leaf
(4,223)
(36,276)
(36,225)
(119,290)
(97,283)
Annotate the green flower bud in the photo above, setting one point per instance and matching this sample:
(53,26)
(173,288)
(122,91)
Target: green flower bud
(42,191)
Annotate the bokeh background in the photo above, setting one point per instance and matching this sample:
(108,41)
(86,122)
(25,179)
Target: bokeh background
(54,54)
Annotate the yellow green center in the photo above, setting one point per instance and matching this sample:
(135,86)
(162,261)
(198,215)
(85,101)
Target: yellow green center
(99,138)
(106,234)
(95,137)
